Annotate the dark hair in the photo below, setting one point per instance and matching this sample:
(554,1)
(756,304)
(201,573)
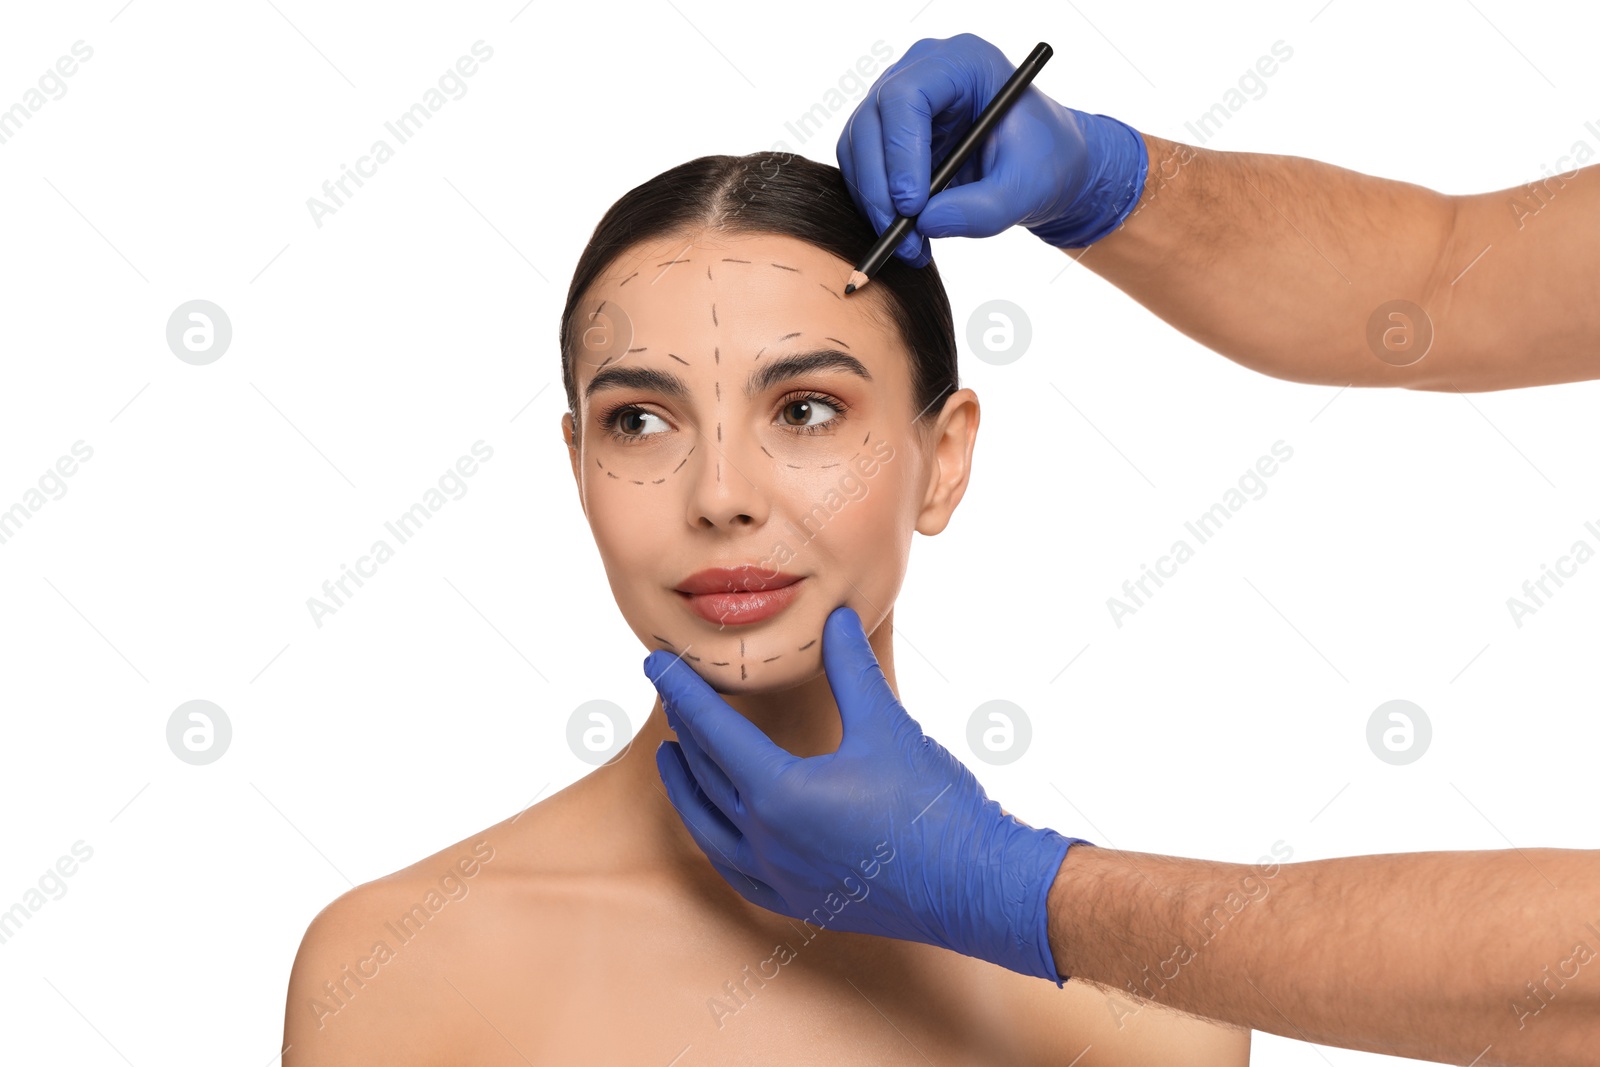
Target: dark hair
(777,193)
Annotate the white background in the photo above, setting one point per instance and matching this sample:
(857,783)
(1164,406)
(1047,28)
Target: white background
(368,354)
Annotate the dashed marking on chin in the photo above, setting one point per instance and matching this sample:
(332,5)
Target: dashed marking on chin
(743,667)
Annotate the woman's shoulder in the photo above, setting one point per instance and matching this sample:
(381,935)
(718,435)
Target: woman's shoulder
(371,969)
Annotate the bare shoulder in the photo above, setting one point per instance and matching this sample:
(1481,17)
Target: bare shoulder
(1120,1028)
(370,983)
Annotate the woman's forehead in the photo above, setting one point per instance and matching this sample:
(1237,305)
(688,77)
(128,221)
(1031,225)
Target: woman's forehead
(740,291)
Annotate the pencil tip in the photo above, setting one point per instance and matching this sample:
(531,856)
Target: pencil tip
(849,289)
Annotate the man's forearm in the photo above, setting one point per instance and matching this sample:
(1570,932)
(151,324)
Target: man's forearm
(1463,957)
(1283,264)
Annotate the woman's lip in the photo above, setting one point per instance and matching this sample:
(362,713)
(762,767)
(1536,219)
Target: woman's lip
(743,579)
(741,609)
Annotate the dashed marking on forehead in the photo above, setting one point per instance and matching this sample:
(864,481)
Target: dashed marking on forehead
(628,279)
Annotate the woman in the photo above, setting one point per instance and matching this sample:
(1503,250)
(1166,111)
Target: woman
(751,449)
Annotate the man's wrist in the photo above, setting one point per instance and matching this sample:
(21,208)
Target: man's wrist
(1074,905)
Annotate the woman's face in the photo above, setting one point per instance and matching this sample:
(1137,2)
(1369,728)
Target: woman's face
(740,416)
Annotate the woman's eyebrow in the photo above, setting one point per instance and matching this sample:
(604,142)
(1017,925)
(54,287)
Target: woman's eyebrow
(763,378)
(792,366)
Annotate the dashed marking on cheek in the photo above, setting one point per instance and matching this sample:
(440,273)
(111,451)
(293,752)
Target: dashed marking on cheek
(684,460)
(727,260)
(713,310)
(635,481)
(769,454)
(658,481)
(708,273)
(864,439)
(716,354)
(663,640)
(639,349)
(719,391)
(719,663)
(719,433)
(769,659)
(741,672)
(825,466)
(780,266)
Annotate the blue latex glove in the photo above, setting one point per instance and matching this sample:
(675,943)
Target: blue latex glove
(1069,177)
(890,835)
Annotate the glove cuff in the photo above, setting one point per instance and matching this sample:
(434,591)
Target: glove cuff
(1120,163)
(1047,958)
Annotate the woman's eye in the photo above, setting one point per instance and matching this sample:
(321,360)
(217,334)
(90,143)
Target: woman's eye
(636,422)
(806,412)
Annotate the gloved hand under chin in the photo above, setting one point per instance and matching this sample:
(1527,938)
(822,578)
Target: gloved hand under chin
(889,835)
(1068,176)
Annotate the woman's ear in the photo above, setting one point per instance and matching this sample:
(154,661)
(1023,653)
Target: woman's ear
(572,454)
(950,443)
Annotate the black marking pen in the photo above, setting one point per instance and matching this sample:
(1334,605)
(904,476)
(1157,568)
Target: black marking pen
(886,243)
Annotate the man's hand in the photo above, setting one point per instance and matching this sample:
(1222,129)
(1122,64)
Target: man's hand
(1069,177)
(890,835)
